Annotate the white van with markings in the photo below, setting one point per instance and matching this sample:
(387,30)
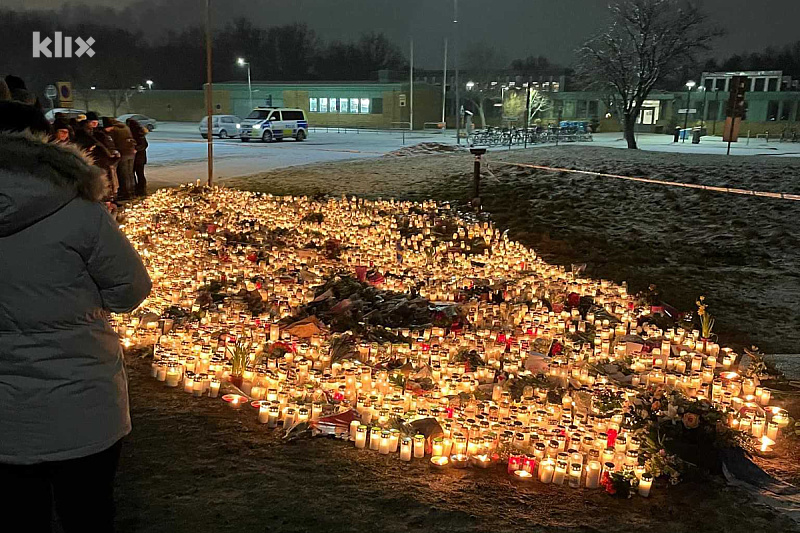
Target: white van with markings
(274,124)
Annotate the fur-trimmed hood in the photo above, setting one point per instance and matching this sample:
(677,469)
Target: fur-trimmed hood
(38,178)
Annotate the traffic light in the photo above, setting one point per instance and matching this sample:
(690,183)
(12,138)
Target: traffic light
(736,105)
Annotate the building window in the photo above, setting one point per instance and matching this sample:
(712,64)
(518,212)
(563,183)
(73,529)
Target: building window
(312,105)
(772,110)
(323,105)
(713,110)
(377,106)
(333,107)
(786,110)
(354,105)
(365,105)
(759,86)
(593,109)
(582,109)
(343,107)
(709,84)
(720,84)
(772,84)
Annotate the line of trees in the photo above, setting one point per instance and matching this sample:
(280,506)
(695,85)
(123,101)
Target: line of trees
(125,58)
(785,58)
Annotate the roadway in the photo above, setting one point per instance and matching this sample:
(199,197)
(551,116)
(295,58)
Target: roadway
(177,152)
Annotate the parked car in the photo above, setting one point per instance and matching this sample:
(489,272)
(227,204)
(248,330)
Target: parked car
(222,126)
(145,121)
(275,124)
(68,113)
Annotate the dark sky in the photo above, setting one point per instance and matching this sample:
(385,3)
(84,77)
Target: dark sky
(517,28)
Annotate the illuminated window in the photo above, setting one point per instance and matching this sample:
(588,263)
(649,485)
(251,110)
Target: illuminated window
(354,105)
(365,105)
(312,105)
(332,103)
(323,105)
(343,108)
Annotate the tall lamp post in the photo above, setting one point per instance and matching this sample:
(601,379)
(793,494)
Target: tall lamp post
(455,67)
(703,113)
(243,63)
(689,85)
(149,85)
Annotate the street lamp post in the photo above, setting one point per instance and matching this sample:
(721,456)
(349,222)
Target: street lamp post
(689,85)
(455,67)
(716,112)
(243,63)
(703,115)
(149,84)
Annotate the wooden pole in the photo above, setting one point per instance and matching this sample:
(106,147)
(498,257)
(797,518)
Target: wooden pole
(209,96)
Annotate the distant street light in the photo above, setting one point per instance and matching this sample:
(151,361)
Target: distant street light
(689,86)
(149,84)
(470,85)
(93,87)
(243,63)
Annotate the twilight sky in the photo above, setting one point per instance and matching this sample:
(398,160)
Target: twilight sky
(518,28)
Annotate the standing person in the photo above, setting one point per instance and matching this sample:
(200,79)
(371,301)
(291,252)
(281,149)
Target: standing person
(101,135)
(100,154)
(139,135)
(62,132)
(126,146)
(63,386)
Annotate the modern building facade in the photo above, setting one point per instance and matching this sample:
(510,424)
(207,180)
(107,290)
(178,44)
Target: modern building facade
(344,104)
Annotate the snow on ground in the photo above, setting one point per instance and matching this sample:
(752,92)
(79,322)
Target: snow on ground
(177,153)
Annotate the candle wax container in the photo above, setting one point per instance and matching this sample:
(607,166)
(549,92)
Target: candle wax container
(459,460)
(439,462)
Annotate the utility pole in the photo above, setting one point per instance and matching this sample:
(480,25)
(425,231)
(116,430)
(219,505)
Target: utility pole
(209,96)
(444,84)
(527,112)
(411,87)
(455,66)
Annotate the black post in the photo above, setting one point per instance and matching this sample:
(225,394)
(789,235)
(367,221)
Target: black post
(686,115)
(730,132)
(716,112)
(476,177)
(527,113)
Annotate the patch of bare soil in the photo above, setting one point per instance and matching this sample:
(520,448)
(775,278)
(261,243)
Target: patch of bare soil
(195,465)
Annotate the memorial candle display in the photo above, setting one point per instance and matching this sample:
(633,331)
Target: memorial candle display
(501,358)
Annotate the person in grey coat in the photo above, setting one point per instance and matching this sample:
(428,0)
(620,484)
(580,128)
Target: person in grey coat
(64,264)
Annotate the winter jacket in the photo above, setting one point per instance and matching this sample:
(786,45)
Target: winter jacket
(140,136)
(123,140)
(96,150)
(63,265)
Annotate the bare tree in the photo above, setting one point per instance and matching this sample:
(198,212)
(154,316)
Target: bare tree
(647,40)
(118,96)
(481,65)
(514,104)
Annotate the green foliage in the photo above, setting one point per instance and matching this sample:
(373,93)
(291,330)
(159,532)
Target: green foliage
(240,357)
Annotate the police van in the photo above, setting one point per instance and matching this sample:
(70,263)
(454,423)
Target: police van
(274,124)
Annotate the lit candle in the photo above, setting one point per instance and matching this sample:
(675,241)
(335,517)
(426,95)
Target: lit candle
(405,449)
(560,472)
(375,439)
(419,446)
(385,443)
(438,462)
(173,376)
(576,469)
(361,437)
(546,471)
(354,429)
(645,484)
(438,446)
(263,412)
(593,475)
(274,413)
(213,390)
(523,475)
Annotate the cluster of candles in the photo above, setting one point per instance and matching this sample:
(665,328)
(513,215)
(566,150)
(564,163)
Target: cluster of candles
(272,246)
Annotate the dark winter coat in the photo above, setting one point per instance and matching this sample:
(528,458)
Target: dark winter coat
(63,265)
(99,153)
(140,137)
(123,140)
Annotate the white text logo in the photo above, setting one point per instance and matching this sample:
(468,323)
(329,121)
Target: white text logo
(62,46)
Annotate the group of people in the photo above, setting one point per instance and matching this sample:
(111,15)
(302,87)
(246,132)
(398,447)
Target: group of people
(64,266)
(118,148)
